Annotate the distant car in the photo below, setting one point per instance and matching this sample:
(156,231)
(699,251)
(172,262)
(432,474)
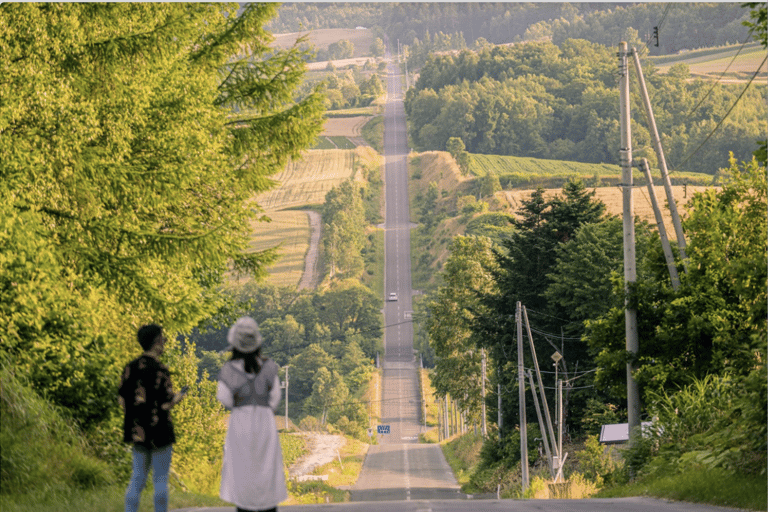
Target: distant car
(392,296)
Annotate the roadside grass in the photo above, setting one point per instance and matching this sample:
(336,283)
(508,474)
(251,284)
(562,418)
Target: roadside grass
(699,485)
(344,472)
(428,394)
(103,499)
(373,133)
(463,453)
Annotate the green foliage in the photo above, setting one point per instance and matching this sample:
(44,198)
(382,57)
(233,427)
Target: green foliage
(596,462)
(344,230)
(42,450)
(596,414)
(550,101)
(716,322)
(124,192)
(293,447)
(716,422)
(467,273)
(496,226)
(699,485)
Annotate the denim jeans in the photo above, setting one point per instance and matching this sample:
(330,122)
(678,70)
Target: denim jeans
(160,462)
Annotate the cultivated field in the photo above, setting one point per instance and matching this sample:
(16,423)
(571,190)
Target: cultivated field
(713,62)
(322,38)
(307,181)
(303,183)
(524,172)
(290,230)
(344,126)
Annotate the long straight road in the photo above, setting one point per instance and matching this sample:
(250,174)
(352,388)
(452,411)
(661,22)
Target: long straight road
(399,468)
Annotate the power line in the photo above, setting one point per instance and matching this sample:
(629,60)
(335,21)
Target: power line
(693,110)
(658,27)
(724,117)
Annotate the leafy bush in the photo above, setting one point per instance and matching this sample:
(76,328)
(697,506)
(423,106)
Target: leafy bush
(715,422)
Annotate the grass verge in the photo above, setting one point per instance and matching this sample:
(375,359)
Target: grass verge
(462,453)
(103,499)
(373,133)
(711,486)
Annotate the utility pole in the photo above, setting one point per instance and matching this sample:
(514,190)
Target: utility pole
(485,426)
(545,438)
(662,161)
(521,394)
(556,460)
(662,229)
(498,409)
(630,272)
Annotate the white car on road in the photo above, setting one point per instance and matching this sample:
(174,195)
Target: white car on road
(392,297)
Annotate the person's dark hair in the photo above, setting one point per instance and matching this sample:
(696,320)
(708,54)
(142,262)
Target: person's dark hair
(148,334)
(251,360)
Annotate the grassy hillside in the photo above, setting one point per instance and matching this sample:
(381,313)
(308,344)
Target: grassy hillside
(524,172)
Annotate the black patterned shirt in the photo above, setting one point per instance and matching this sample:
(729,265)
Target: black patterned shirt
(144,387)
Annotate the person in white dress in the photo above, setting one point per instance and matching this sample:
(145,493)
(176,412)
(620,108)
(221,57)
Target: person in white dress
(253,474)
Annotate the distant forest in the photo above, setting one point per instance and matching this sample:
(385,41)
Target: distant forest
(680,25)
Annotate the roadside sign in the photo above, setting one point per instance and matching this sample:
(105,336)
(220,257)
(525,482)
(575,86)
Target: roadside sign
(383,429)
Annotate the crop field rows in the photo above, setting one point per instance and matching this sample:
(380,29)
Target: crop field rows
(502,165)
(290,230)
(525,172)
(308,180)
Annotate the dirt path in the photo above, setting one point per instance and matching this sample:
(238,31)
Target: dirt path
(309,278)
(323,448)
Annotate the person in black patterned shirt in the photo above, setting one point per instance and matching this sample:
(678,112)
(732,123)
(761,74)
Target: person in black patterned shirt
(146,395)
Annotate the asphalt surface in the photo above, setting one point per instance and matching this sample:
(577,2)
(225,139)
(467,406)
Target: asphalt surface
(594,505)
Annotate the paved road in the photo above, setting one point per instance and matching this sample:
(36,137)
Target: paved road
(399,468)
(602,505)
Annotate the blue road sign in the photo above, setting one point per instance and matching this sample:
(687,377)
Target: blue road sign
(383,429)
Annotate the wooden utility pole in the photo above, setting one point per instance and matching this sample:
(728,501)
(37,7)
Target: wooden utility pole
(662,229)
(630,271)
(521,394)
(662,161)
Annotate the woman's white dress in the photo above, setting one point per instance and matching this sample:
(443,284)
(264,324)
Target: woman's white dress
(253,474)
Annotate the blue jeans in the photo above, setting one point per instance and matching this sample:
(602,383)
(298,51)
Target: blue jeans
(160,462)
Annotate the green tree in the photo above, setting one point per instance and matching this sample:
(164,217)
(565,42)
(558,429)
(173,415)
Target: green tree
(377,47)
(132,137)
(716,322)
(467,275)
(283,338)
(344,222)
(304,367)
